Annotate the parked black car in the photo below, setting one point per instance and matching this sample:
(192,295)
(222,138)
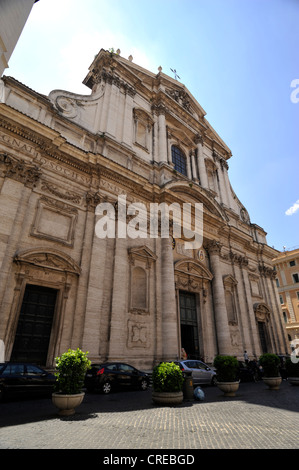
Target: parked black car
(115,375)
(22,378)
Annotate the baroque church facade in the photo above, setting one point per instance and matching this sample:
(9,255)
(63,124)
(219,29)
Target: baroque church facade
(137,299)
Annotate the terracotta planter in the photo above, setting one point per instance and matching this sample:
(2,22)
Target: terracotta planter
(293,380)
(167,398)
(273,382)
(229,388)
(67,403)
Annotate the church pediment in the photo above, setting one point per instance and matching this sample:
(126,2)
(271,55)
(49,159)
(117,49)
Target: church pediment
(196,194)
(51,259)
(142,252)
(193,268)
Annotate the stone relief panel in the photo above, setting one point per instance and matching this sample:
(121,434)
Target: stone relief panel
(255,286)
(138,334)
(55,221)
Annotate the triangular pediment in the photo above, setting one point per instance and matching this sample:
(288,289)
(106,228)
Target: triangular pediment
(142,252)
(159,88)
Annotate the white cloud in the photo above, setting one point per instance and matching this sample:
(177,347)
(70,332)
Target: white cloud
(294,208)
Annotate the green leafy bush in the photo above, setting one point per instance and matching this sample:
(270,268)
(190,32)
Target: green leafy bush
(167,377)
(270,364)
(226,368)
(292,368)
(71,369)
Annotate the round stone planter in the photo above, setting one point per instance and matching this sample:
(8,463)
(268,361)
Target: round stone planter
(167,398)
(272,382)
(293,380)
(228,388)
(67,403)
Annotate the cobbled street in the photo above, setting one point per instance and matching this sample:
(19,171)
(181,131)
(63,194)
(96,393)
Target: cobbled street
(257,418)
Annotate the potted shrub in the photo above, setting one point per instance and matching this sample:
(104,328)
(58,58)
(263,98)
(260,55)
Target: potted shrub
(270,364)
(227,374)
(70,373)
(167,382)
(292,368)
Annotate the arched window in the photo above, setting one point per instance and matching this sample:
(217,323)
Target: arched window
(179,160)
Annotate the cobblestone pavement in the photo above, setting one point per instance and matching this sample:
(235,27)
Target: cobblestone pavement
(257,418)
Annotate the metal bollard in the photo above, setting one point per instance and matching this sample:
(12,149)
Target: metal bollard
(188,390)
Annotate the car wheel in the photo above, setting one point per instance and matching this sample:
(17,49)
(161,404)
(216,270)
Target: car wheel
(106,388)
(144,385)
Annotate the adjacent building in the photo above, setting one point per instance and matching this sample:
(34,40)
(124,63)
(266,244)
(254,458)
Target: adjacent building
(137,140)
(13,17)
(287,280)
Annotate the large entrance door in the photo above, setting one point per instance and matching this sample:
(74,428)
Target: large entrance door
(263,336)
(35,324)
(189,326)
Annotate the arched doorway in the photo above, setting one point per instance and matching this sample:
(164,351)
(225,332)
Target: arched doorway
(189,324)
(43,281)
(35,325)
(262,316)
(192,281)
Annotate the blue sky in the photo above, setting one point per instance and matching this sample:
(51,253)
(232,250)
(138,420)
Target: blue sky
(238,58)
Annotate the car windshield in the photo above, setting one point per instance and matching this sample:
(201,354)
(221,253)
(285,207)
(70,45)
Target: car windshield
(13,369)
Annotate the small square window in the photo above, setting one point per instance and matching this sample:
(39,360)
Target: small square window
(293,263)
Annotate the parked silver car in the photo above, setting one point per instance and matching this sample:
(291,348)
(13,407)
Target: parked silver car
(201,372)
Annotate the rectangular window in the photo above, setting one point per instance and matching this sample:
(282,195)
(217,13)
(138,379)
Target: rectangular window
(293,263)
(295,277)
(277,282)
(281,299)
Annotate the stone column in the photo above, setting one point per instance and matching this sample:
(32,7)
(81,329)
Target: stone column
(222,183)
(201,164)
(118,326)
(169,307)
(230,201)
(221,320)
(188,166)
(162,141)
(194,169)
(127,131)
(277,320)
(20,179)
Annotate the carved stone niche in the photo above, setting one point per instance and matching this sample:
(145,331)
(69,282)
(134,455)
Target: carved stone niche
(230,286)
(141,261)
(143,123)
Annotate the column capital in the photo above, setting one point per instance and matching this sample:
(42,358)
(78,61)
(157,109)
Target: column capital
(214,246)
(199,139)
